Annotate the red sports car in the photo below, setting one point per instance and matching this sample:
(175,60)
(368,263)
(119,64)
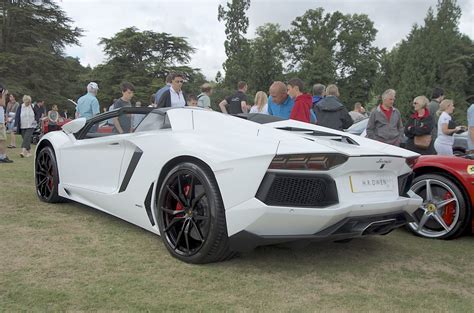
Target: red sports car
(45,125)
(446,184)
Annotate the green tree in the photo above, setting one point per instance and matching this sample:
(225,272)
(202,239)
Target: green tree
(267,59)
(236,45)
(311,48)
(356,58)
(433,54)
(144,59)
(335,48)
(33,35)
(219,78)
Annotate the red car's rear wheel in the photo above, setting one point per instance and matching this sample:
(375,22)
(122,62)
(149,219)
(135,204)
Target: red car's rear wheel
(444,213)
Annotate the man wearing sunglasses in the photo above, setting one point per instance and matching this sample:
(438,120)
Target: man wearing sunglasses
(174,97)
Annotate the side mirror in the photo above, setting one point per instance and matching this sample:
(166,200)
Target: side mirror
(74,126)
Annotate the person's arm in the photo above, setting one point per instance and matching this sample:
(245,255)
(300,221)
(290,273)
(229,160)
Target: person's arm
(313,117)
(2,103)
(222,105)
(410,127)
(158,97)
(447,131)
(269,107)
(117,125)
(243,105)
(296,112)
(162,103)
(400,126)
(471,133)
(95,107)
(371,126)
(3,99)
(206,102)
(425,129)
(18,118)
(346,119)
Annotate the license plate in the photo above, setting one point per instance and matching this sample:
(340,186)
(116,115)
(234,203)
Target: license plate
(370,183)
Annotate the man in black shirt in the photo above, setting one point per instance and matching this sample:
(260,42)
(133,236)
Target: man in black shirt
(236,103)
(436,97)
(40,110)
(123,123)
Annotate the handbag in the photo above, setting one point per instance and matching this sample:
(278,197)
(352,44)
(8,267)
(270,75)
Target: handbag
(422,142)
(452,125)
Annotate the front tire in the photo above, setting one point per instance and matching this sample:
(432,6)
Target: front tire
(46,176)
(444,213)
(191,215)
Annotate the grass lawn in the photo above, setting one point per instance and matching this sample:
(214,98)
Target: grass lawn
(69,257)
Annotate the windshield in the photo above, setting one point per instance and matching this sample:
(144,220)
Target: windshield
(358,127)
(259,117)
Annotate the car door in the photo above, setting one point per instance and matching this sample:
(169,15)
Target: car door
(93,164)
(94,160)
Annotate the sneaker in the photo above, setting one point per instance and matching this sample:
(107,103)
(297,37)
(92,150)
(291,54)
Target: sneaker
(22,155)
(11,146)
(28,155)
(6,160)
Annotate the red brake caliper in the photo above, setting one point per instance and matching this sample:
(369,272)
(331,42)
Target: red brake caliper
(449,209)
(179,206)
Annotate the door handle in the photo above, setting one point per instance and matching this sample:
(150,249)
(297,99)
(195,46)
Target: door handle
(114,144)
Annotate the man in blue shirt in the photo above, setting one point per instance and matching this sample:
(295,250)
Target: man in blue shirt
(88,105)
(279,103)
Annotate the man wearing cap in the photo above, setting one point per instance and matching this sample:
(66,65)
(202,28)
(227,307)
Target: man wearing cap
(88,105)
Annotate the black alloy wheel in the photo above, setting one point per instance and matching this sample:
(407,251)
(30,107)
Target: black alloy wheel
(443,213)
(191,215)
(46,176)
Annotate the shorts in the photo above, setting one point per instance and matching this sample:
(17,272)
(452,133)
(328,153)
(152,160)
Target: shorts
(3,133)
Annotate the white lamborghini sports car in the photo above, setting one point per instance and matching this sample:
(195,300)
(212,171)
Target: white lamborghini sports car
(213,184)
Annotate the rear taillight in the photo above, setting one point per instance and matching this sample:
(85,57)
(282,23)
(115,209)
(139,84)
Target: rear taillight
(310,162)
(411,161)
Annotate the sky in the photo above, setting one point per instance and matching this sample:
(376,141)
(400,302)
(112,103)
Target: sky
(196,20)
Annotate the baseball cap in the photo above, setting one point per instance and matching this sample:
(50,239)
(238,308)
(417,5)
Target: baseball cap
(92,85)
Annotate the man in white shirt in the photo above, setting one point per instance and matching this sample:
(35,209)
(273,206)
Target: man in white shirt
(174,97)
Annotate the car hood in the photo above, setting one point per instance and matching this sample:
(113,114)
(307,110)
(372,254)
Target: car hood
(299,137)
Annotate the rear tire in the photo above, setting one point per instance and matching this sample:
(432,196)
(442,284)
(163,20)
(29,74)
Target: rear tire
(191,215)
(444,213)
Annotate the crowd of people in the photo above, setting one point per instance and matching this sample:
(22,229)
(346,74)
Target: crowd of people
(23,119)
(429,130)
